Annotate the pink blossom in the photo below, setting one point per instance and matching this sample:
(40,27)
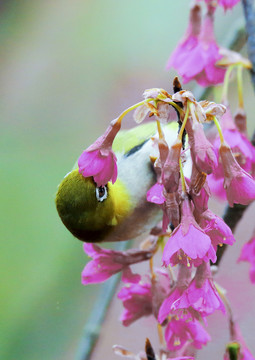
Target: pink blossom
(202,151)
(98,160)
(200,64)
(155,194)
(201,294)
(239,185)
(239,144)
(199,190)
(144,299)
(248,254)
(200,200)
(242,149)
(228,4)
(188,241)
(171,168)
(137,301)
(171,213)
(107,262)
(160,289)
(184,277)
(178,332)
(179,59)
(216,187)
(216,228)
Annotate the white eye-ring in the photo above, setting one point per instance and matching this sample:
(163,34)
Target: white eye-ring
(101,193)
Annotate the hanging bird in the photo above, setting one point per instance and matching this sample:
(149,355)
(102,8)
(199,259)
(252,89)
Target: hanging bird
(119,211)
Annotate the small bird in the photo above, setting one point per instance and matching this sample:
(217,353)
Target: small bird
(119,211)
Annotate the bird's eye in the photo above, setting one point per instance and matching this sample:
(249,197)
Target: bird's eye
(101,193)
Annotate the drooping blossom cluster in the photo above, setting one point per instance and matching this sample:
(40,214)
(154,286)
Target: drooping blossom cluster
(192,230)
(196,55)
(182,294)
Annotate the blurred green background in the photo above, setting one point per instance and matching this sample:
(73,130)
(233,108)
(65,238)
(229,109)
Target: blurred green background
(67,67)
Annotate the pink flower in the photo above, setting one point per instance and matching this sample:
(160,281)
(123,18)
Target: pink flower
(180,57)
(239,185)
(178,332)
(216,228)
(201,61)
(248,254)
(202,151)
(237,141)
(106,263)
(216,187)
(244,153)
(184,277)
(155,194)
(199,190)
(98,160)
(171,168)
(137,301)
(188,241)
(160,289)
(228,4)
(171,212)
(201,294)
(144,299)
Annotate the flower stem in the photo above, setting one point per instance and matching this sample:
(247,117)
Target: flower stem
(160,132)
(152,269)
(240,86)
(125,112)
(177,107)
(216,122)
(182,177)
(184,121)
(225,301)
(224,96)
(160,335)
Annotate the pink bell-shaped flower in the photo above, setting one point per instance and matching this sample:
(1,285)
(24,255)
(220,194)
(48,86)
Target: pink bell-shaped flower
(179,59)
(239,185)
(202,151)
(99,160)
(228,4)
(188,241)
(201,61)
(201,294)
(178,332)
(108,262)
(216,228)
(144,298)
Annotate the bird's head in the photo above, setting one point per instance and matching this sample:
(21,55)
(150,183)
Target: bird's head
(90,212)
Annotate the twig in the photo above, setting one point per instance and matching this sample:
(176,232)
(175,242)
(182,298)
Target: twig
(93,325)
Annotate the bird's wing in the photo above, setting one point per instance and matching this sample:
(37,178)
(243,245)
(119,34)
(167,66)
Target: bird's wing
(126,140)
